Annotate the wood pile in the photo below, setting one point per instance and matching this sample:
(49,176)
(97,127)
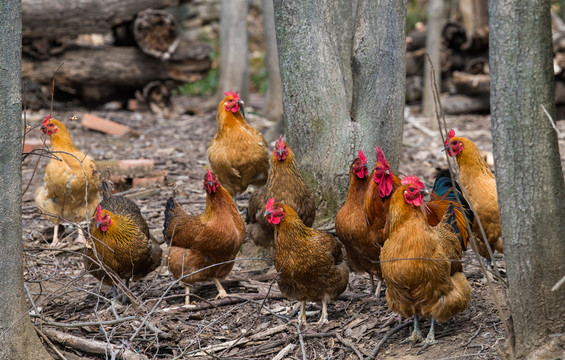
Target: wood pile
(102,50)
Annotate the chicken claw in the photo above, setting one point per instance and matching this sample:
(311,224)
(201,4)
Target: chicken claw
(416,336)
(324,318)
(222,294)
(429,340)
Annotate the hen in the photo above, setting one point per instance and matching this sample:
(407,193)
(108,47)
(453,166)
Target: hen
(71,188)
(421,263)
(238,152)
(203,247)
(351,226)
(285,184)
(121,241)
(480,184)
(309,262)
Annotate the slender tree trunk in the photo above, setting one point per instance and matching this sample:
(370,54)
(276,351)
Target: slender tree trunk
(531,190)
(432,77)
(273,108)
(18,339)
(343,74)
(234,72)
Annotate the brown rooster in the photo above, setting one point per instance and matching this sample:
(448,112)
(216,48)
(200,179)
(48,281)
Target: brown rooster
(285,184)
(203,247)
(121,241)
(421,264)
(71,188)
(309,262)
(351,226)
(238,152)
(480,184)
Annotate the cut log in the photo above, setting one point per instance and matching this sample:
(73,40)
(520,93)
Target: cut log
(469,84)
(462,104)
(55,19)
(156,33)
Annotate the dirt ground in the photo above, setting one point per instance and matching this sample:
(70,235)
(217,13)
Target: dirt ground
(256,322)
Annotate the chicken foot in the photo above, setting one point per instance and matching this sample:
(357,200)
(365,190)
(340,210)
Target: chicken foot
(221,291)
(375,289)
(430,339)
(324,318)
(416,336)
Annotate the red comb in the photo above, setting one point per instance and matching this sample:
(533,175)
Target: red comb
(232,93)
(412,180)
(451,133)
(98,212)
(280,142)
(46,121)
(209,175)
(362,157)
(380,155)
(270,204)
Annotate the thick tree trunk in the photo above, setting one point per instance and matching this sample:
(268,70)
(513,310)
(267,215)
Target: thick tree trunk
(340,95)
(18,339)
(432,72)
(531,190)
(234,71)
(273,108)
(379,78)
(56,19)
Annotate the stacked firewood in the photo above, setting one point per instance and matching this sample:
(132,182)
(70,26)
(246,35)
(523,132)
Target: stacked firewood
(95,51)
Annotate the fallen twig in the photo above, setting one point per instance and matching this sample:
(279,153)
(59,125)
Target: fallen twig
(472,337)
(301,339)
(386,337)
(284,352)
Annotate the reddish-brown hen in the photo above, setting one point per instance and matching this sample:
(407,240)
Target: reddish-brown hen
(309,262)
(203,247)
(284,184)
(421,263)
(351,226)
(238,152)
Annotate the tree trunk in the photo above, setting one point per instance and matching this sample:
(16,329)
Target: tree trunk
(432,72)
(379,79)
(18,339)
(332,87)
(56,19)
(531,189)
(273,107)
(234,72)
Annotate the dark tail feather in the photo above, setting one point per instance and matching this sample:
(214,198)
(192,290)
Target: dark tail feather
(452,220)
(443,188)
(169,213)
(106,189)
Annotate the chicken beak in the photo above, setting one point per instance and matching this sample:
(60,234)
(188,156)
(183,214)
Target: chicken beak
(426,194)
(267,213)
(241,109)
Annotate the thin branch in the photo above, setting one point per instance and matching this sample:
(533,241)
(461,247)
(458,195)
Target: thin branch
(386,337)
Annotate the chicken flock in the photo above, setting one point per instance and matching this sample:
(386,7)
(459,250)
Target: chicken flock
(390,227)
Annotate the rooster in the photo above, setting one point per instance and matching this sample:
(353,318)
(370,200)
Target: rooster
(285,184)
(203,247)
(309,262)
(121,241)
(238,152)
(71,188)
(421,263)
(480,184)
(352,229)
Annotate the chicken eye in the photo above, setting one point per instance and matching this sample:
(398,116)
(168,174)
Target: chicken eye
(411,189)
(454,142)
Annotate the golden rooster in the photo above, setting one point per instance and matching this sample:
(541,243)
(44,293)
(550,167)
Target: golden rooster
(309,262)
(285,184)
(121,241)
(421,263)
(71,188)
(203,247)
(238,153)
(352,228)
(480,184)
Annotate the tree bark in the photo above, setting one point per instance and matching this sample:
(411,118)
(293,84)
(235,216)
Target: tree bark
(56,19)
(379,78)
(343,87)
(432,72)
(18,339)
(531,190)
(273,107)
(234,71)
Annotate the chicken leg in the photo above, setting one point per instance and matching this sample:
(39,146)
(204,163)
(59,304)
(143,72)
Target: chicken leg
(324,318)
(221,291)
(375,289)
(55,241)
(416,334)
(187,295)
(302,315)
(430,339)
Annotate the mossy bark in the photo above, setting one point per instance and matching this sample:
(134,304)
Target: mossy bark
(531,190)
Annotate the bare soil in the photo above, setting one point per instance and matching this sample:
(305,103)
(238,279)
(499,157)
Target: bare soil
(65,295)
